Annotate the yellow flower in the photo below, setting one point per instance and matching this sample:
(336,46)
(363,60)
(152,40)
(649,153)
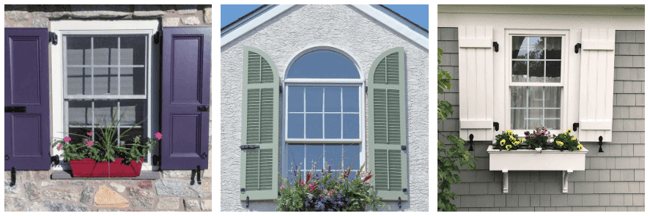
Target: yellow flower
(508,147)
(516,143)
(560,143)
(509,132)
(568,132)
(502,142)
(512,138)
(573,138)
(580,147)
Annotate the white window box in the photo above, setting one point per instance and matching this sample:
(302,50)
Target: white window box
(531,160)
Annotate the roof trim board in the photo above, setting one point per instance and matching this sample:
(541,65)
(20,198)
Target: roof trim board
(376,14)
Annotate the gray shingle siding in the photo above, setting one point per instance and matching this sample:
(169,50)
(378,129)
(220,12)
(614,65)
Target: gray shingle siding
(613,180)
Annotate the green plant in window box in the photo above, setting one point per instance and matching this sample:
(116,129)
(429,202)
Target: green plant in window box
(326,191)
(566,141)
(538,139)
(105,145)
(508,141)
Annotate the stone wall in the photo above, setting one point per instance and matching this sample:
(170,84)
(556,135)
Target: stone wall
(36,191)
(40,15)
(613,180)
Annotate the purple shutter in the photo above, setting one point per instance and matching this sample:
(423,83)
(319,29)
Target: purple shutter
(185,97)
(27,106)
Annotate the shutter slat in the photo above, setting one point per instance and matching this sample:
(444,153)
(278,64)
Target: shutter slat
(259,127)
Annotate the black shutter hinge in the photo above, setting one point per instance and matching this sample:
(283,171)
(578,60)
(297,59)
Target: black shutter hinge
(247,201)
(203,108)
(496,46)
(244,147)
(156,160)
(577,47)
(157,37)
(55,159)
(575,126)
(600,143)
(403,148)
(53,38)
(404,190)
(243,190)
(496,126)
(196,173)
(471,142)
(13,177)
(399,202)
(15,109)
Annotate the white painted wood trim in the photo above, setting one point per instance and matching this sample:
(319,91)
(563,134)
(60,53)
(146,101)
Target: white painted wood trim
(590,125)
(263,18)
(475,43)
(597,45)
(394,24)
(61,27)
(477,124)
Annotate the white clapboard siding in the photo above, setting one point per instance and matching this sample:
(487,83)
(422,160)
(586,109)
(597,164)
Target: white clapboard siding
(596,85)
(476,84)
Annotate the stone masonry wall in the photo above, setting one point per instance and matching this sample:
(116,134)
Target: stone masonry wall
(36,191)
(613,180)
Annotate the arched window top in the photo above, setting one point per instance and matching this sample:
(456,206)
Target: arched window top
(323,64)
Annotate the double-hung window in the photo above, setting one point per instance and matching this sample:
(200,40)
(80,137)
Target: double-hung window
(536,80)
(323,113)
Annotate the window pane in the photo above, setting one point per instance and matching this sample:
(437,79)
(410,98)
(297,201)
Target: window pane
(536,47)
(334,156)
(80,113)
(296,126)
(518,96)
(351,99)
(553,70)
(351,153)
(104,112)
(105,50)
(519,71)
(535,97)
(132,81)
(78,81)
(323,64)
(552,96)
(332,126)
(296,156)
(132,50)
(132,112)
(536,71)
(519,47)
(314,96)
(518,118)
(534,123)
(296,96)
(314,126)
(105,81)
(314,157)
(350,126)
(78,50)
(535,114)
(553,48)
(333,99)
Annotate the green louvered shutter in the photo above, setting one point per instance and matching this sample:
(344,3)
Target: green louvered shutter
(387,125)
(260,119)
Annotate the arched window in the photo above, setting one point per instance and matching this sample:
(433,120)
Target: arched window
(323,113)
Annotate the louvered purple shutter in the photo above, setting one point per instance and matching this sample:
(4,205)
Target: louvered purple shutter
(185,97)
(27,106)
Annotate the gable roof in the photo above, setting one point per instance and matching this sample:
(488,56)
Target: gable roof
(380,13)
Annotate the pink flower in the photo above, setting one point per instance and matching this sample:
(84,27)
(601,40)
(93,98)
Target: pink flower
(59,147)
(158,135)
(532,136)
(281,186)
(322,195)
(90,133)
(89,144)
(67,139)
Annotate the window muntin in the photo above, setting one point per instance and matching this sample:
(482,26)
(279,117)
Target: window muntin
(105,77)
(536,84)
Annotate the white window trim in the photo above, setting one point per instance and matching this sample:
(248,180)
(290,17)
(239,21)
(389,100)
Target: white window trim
(148,27)
(564,74)
(317,82)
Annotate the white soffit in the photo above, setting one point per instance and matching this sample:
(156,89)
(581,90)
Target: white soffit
(367,9)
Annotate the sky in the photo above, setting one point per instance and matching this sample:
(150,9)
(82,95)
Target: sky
(418,14)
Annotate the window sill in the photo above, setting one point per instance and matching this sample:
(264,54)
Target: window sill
(67,175)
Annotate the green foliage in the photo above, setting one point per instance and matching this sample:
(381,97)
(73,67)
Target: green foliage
(448,159)
(325,191)
(105,145)
(508,141)
(538,138)
(566,141)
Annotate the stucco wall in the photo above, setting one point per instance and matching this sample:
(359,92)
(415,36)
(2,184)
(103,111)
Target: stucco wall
(613,180)
(345,28)
(36,191)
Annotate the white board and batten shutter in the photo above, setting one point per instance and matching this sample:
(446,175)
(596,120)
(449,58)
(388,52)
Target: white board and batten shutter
(476,84)
(596,85)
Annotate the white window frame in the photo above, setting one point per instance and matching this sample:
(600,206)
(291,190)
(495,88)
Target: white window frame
(564,75)
(58,79)
(291,82)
